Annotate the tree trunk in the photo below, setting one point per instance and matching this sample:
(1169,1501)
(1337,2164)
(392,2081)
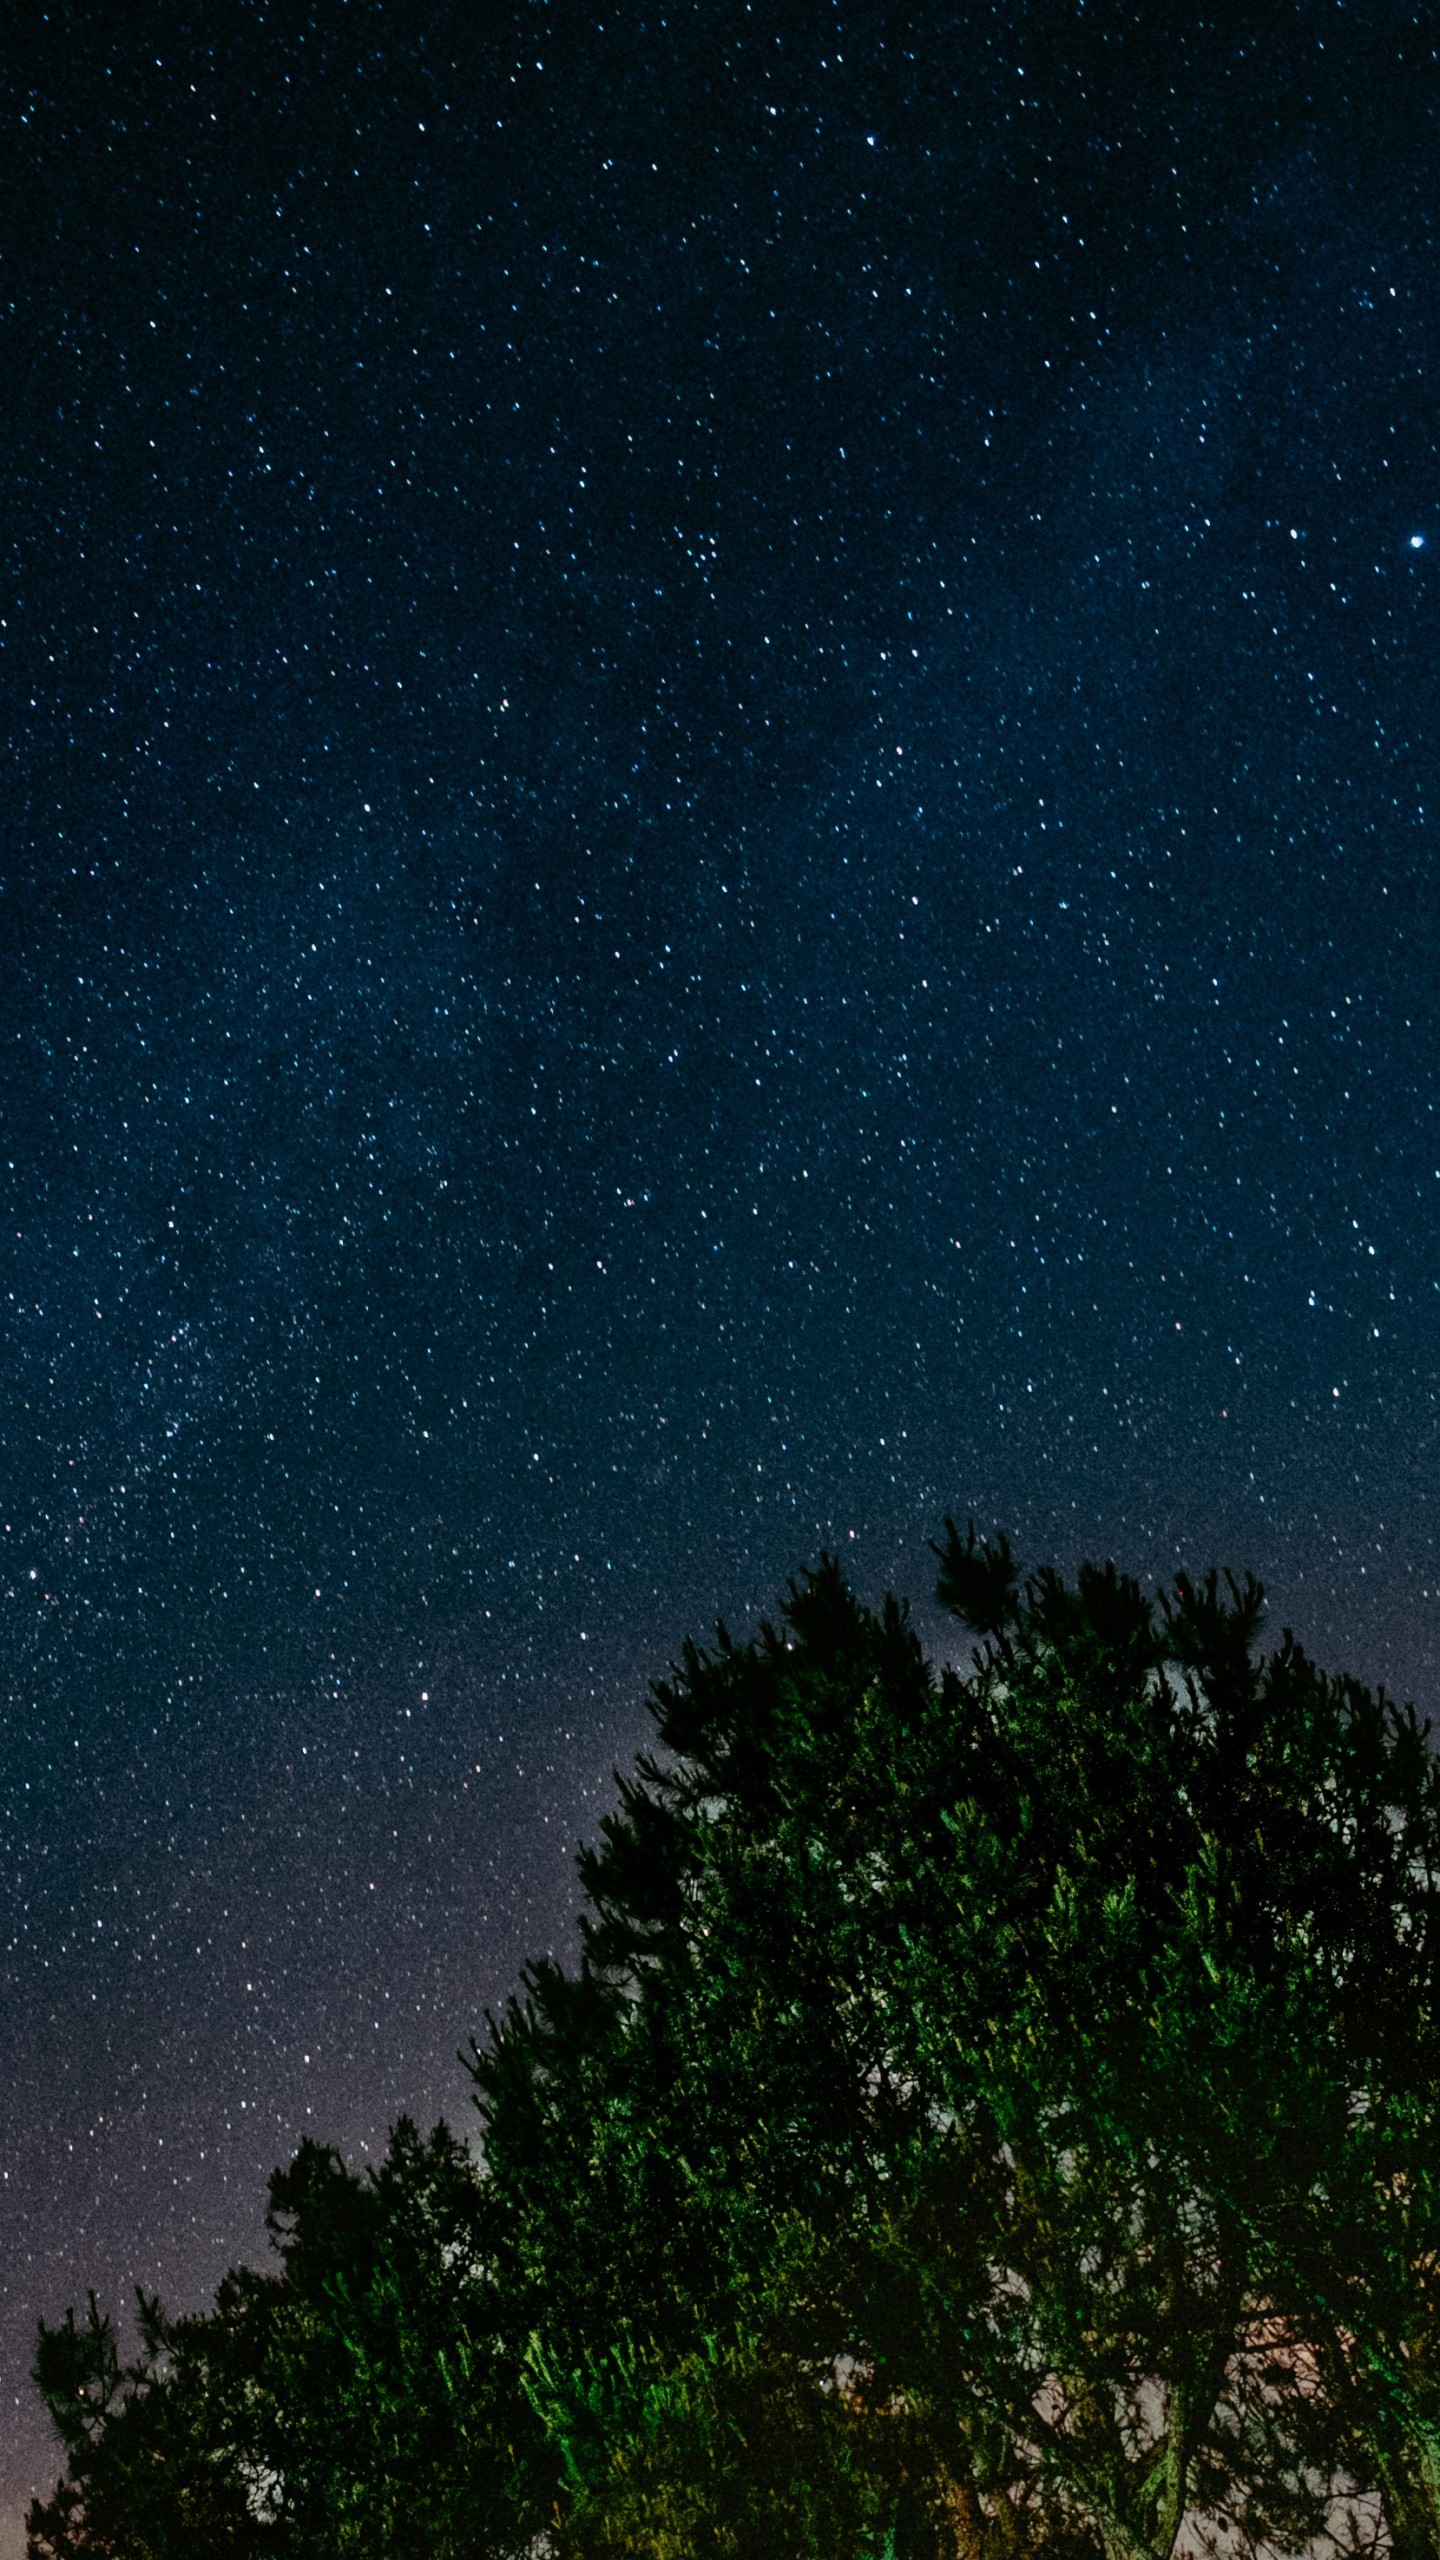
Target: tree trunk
(1410,2490)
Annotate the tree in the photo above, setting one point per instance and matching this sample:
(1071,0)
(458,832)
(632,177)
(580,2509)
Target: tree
(352,2402)
(993,2115)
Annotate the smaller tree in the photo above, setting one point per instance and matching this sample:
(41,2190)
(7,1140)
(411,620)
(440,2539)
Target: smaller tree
(352,2402)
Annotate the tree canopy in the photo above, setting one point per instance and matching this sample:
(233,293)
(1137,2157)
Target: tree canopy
(993,2114)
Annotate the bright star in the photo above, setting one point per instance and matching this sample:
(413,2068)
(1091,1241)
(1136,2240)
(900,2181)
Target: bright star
(1417,541)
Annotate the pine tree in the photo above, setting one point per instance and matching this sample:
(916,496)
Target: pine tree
(993,2115)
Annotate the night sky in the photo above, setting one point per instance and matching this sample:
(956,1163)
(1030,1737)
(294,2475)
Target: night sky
(720,832)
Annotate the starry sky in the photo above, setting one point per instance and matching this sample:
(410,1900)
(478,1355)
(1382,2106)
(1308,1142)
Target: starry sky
(720,831)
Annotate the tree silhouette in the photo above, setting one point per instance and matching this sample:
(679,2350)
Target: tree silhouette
(993,2114)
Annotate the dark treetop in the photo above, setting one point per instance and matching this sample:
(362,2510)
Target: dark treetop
(993,2118)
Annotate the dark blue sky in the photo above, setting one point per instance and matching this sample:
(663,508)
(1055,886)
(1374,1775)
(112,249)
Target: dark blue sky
(721,832)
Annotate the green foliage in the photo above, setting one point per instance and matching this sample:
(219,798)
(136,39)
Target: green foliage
(353,2402)
(993,2115)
